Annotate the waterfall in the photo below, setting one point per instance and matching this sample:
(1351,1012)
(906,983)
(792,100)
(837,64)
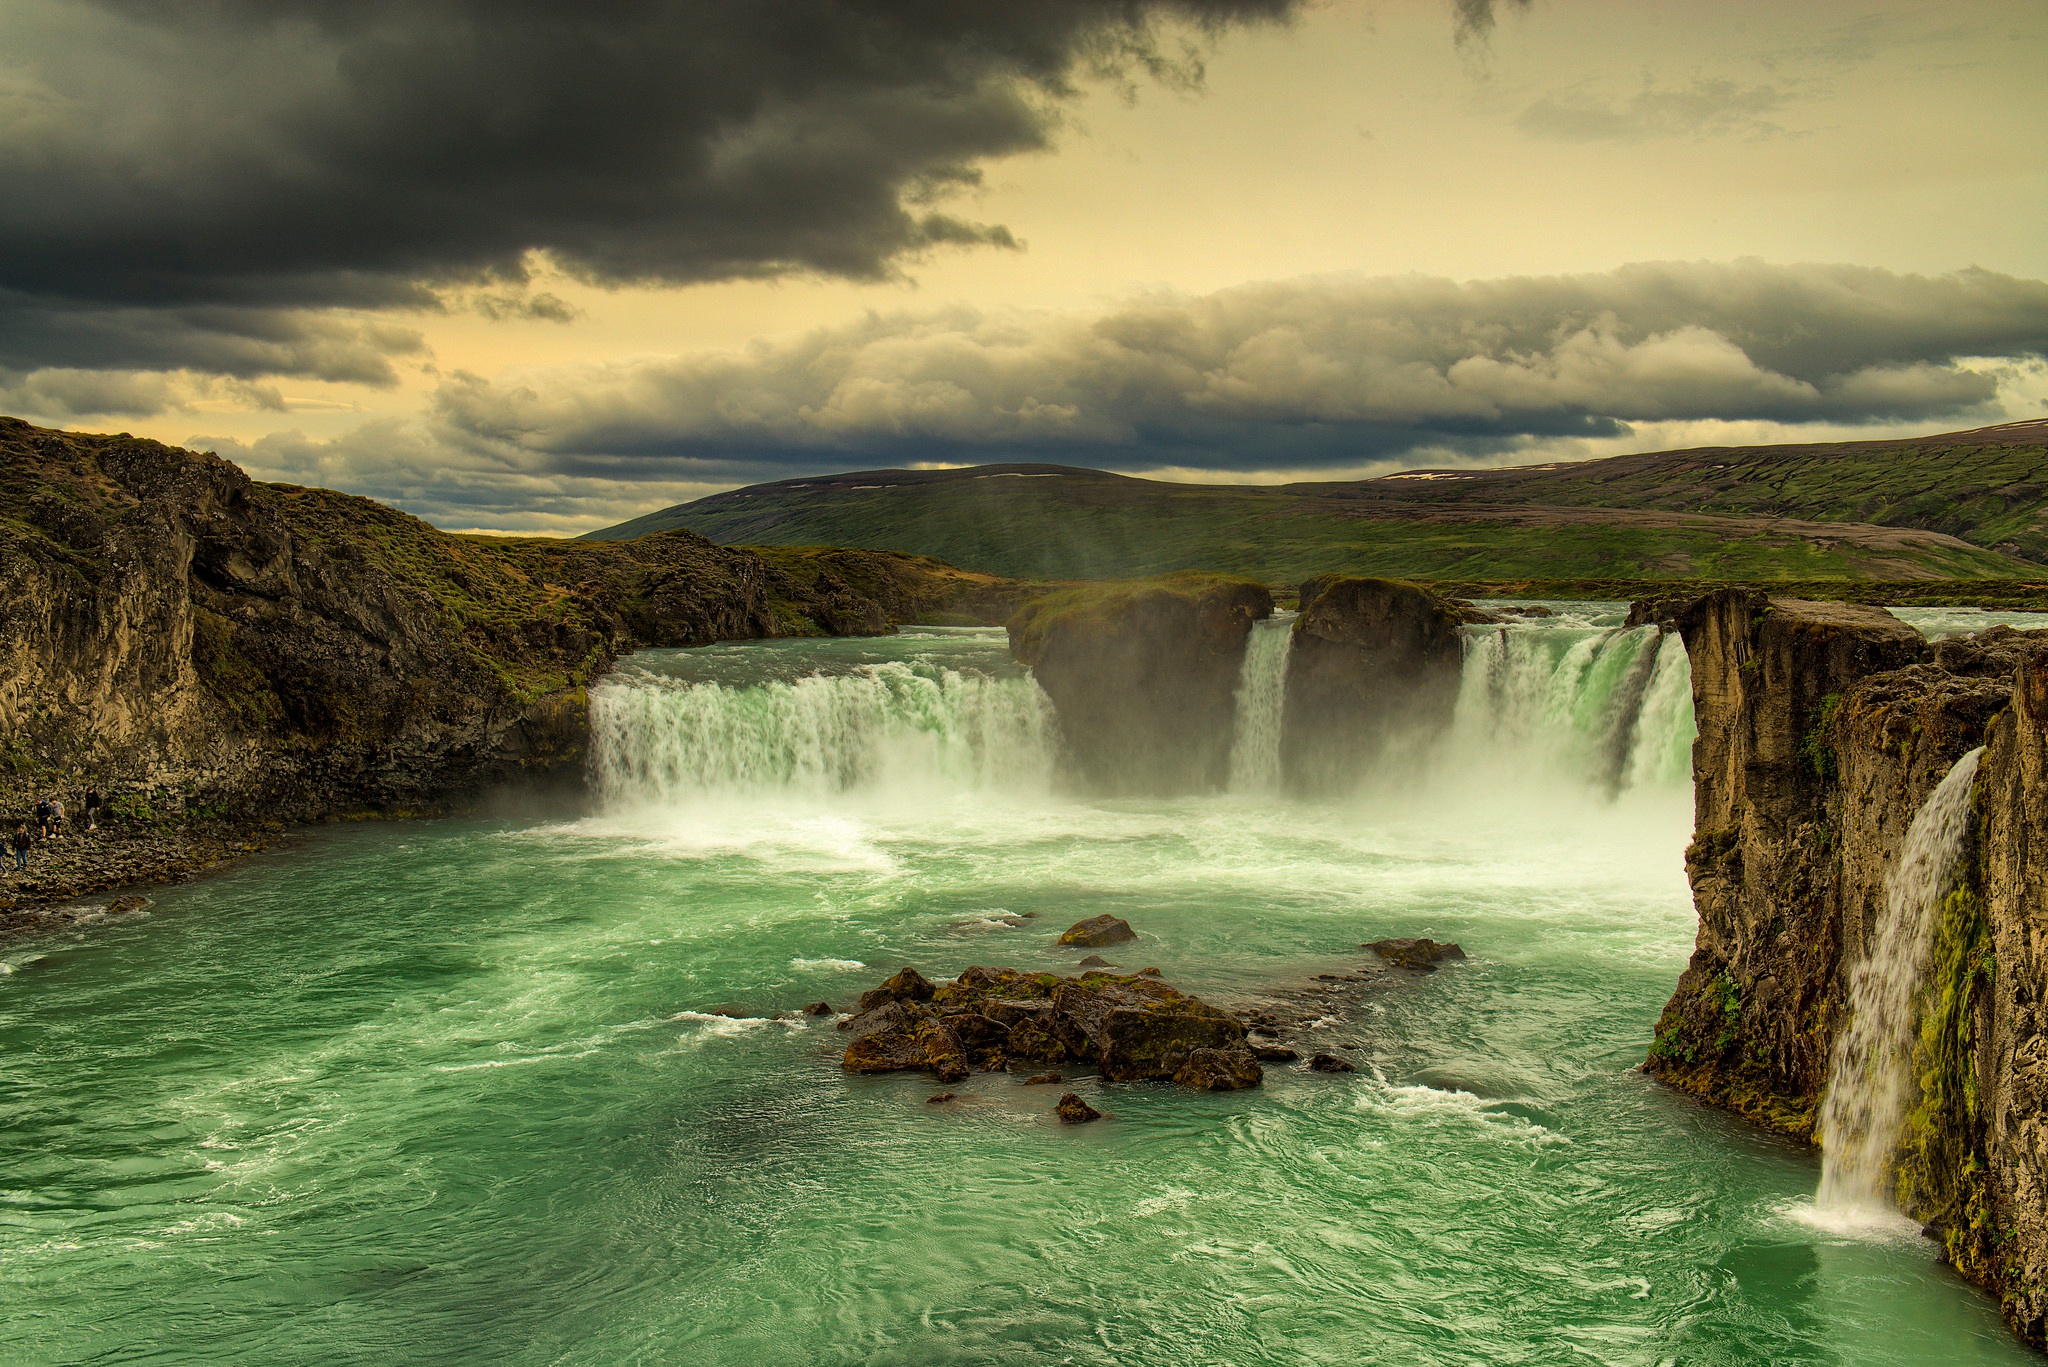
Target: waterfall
(1609,706)
(1870,1079)
(1261,695)
(659,739)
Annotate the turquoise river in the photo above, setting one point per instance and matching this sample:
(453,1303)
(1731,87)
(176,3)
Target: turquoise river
(532,1090)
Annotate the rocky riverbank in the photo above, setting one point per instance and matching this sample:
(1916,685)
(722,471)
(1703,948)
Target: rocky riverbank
(71,878)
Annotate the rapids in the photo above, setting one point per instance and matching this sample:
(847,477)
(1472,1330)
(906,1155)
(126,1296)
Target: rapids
(464,1092)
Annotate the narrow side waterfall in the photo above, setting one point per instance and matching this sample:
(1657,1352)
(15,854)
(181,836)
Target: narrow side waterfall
(1870,1082)
(657,739)
(1261,696)
(1608,706)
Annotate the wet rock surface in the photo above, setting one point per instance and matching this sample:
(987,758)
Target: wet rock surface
(1073,1111)
(1329,1063)
(1130,1028)
(1097,931)
(1422,956)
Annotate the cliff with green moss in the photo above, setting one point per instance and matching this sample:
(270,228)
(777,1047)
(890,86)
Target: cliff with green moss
(1823,728)
(187,639)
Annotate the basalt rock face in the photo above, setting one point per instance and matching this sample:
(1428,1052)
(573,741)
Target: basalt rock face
(1822,731)
(184,637)
(1998,1022)
(1372,663)
(1143,676)
(1754,1015)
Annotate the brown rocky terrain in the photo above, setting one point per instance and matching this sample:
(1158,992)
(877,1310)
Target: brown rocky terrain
(198,646)
(1130,1027)
(1823,728)
(1143,676)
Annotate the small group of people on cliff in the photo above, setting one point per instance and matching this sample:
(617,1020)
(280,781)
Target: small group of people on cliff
(49,823)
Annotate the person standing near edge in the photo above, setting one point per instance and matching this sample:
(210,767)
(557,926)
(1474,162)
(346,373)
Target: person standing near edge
(92,809)
(20,842)
(43,817)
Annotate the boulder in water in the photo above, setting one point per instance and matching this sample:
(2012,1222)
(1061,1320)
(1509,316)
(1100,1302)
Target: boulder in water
(1422,956)
(1096,961)
(818,1009)
(1329,1063)
(1267,1052)
(908,985)
(1220,1070)
(1098,930)
(940,1098)
(1131,1027)
(1040,1079)
(1073,1111)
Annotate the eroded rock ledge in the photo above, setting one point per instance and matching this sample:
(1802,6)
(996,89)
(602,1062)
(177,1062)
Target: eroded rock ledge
(1823,727)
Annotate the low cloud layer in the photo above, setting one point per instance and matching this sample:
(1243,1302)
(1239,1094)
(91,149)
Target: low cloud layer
(181,182)
(1300,376)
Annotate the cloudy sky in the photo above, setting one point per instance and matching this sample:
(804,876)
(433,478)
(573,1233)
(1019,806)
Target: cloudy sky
(516,265)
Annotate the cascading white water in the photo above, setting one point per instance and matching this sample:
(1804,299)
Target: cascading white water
(1607,705)
(1870,1080)
(1261,698)
(658,739)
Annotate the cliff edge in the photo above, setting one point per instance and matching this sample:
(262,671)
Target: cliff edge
(187,639)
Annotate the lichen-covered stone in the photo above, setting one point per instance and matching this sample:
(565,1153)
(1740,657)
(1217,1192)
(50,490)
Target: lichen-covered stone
(1131,1028)
(905,985)
(1073,1111)
(1220,1070)
(1095,931)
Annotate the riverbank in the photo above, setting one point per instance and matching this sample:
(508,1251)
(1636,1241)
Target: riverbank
(67,878)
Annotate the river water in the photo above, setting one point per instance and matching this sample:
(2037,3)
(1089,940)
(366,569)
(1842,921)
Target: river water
(461,1092)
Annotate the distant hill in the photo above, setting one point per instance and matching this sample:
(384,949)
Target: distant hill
(1956,505)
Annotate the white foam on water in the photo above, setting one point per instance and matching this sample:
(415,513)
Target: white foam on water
(806,965)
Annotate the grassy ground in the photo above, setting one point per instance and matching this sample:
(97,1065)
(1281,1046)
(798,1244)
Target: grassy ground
(1936,508)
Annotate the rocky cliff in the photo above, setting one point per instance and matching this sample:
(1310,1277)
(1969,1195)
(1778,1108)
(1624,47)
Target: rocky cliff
(185,638)
(1143,676)
(1823,728)
(1373,663)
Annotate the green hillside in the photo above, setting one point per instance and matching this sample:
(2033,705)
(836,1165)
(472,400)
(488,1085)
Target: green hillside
(1964,505)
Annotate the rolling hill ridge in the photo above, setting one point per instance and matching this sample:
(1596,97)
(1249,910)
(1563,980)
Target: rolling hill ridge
(1968,505)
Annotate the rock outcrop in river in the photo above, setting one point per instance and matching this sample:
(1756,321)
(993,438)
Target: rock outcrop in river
(1373,662)
(183,637)
(1823,729)
(1143,676)
(1131,1027)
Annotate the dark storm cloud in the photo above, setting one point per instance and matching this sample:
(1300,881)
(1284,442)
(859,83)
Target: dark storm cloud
(1476,18)
(257,156)
(1296,373)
